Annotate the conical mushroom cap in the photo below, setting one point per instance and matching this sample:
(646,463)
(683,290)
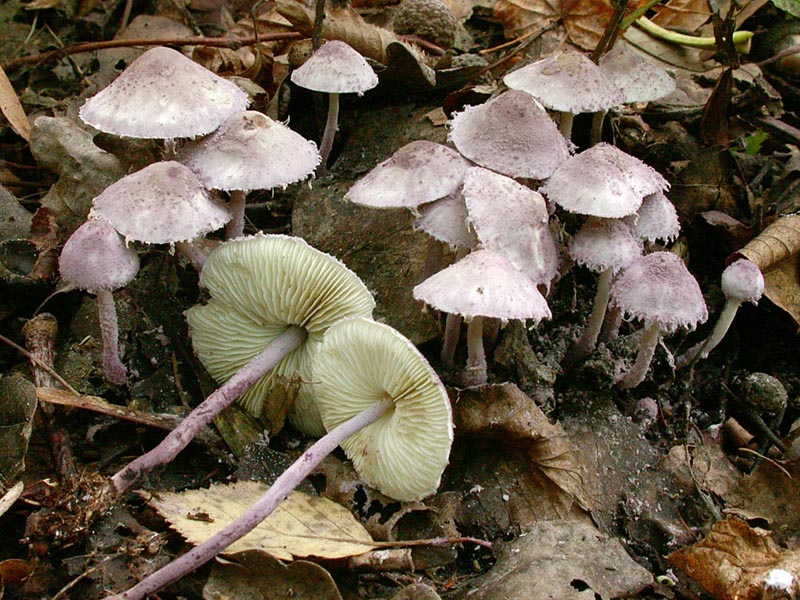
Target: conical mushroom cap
(446,220)
(640,79)
(163,94)
(511,134)
(95,258)
(163,203)
(335,68)
(658,288)
(259,286)
(566,82)
(512,220)
(603,181)
(250,151)
(483,284)
(361,362)
(602,244)
(417,173)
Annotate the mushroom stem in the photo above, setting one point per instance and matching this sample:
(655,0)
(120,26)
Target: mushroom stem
(192,253)
(565,124)
(702,349)
(235,227)
(239,383)
(588,340)
(647,348)
(331,125)
(476,370)
(596,136)
(452,331)
(107,312)
(259,511)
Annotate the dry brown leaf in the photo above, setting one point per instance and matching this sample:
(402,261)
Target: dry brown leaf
(302,525)
(687,15)
(259,575)
(12,109)
(342,24)
(733,562)
(506,413)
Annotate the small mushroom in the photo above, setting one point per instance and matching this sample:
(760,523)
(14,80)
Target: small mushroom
(383,403)
(271,299)
(335,68)
(482,284)
(655,220)
(96,259)
(164,203)
(163,95)
(640,79)
(248,152)
(659,290)
(511,134)
(604,246)
(742,281)
(567,82)
(603,181)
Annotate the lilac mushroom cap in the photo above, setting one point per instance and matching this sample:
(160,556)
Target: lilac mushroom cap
(603,181)
(163,203)
(163,95)
(417,173)
(96,259)
(512,220)
(655,220)
(511,134)
(659,290)
(248,152)
(335,68)
(640,79)
(447,220)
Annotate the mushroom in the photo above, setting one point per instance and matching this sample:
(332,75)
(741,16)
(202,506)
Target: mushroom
(511,134)
(567,82)
(382,402)
(164,203)
(96,259)
(417,173)
(741,282)
(335,68)
(603,181)
(659,290)
(512,219)
(271,299)
(640,79)
(482,284)
(248,152)
(655,220)
(163,95)
(604,246)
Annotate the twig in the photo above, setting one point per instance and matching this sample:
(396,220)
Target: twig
(224,42)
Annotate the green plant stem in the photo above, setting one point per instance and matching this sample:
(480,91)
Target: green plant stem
(741,39)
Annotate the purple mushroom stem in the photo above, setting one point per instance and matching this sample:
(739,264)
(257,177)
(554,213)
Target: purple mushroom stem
(107,313)
(259,511)
(192,253)
(476,371)
(588,340)
(644,357)
(235,227)
(331,125)
(225,395)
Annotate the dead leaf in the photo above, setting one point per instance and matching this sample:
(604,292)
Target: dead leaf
(12,109)
(560,560)
(733,562)
(686,15)
(341,24)
(258,575)
(302,525)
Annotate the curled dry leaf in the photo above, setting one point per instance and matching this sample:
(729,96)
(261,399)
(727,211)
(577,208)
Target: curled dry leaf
(734,560)
(341,24)
(12,109)
(775,251)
